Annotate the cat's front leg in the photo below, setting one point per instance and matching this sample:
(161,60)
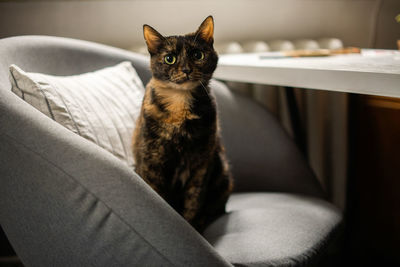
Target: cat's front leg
(151,176)
(193,197)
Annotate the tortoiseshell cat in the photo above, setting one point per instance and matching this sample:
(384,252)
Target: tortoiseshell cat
(176,143)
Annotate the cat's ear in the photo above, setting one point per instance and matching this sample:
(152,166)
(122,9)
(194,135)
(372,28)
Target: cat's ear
(206,30)
(153,38)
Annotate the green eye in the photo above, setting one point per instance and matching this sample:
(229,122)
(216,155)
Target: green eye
(170,59)
(197,54)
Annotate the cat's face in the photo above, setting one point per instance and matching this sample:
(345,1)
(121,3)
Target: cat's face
(182,60)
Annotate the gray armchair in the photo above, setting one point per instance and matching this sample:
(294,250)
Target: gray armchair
(64,201)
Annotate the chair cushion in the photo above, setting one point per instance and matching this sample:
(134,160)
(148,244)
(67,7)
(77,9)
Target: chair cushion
(273,229)
(101,106)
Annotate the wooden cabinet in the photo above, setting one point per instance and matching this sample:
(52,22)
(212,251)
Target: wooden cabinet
(373,211)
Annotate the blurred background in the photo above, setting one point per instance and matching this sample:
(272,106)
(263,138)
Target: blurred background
(363,23)
(361,179)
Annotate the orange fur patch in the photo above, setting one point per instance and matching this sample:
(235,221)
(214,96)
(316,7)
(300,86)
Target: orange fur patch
(152,37)
(177,101)
(206,29)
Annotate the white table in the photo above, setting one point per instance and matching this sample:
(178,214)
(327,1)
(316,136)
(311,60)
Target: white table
(374,72)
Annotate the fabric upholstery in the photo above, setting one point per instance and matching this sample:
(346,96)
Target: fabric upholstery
(101,106)
(63,56)
(273,229)
(261,154)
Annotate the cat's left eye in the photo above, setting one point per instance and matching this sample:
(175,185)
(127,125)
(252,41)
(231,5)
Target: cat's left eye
(197,54)
(169,59)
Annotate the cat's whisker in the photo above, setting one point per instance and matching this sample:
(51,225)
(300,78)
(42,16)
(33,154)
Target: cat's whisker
(205,89)
(177,78)
(197,76)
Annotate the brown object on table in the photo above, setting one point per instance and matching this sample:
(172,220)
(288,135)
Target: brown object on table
(346,50)
(308,53)
(322,52)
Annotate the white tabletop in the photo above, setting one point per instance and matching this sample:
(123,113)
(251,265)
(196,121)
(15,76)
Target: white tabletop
(375,72)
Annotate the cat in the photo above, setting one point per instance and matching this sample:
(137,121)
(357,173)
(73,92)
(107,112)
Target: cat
(176,142)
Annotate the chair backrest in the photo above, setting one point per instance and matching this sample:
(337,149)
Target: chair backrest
(262,155)
(62,56)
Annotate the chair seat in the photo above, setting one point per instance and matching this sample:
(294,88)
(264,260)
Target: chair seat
(273,229)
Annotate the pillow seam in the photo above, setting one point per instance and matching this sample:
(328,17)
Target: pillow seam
(67,108)
(39,89)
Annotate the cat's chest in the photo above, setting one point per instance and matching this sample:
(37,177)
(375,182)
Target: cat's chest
(188,133)
(179,115)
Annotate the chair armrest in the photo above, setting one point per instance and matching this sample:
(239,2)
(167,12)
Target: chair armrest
(64,201)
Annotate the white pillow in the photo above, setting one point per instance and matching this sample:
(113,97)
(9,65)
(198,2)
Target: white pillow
(101,106)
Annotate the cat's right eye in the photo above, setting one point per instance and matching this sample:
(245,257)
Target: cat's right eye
(198,55)
(169,59)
